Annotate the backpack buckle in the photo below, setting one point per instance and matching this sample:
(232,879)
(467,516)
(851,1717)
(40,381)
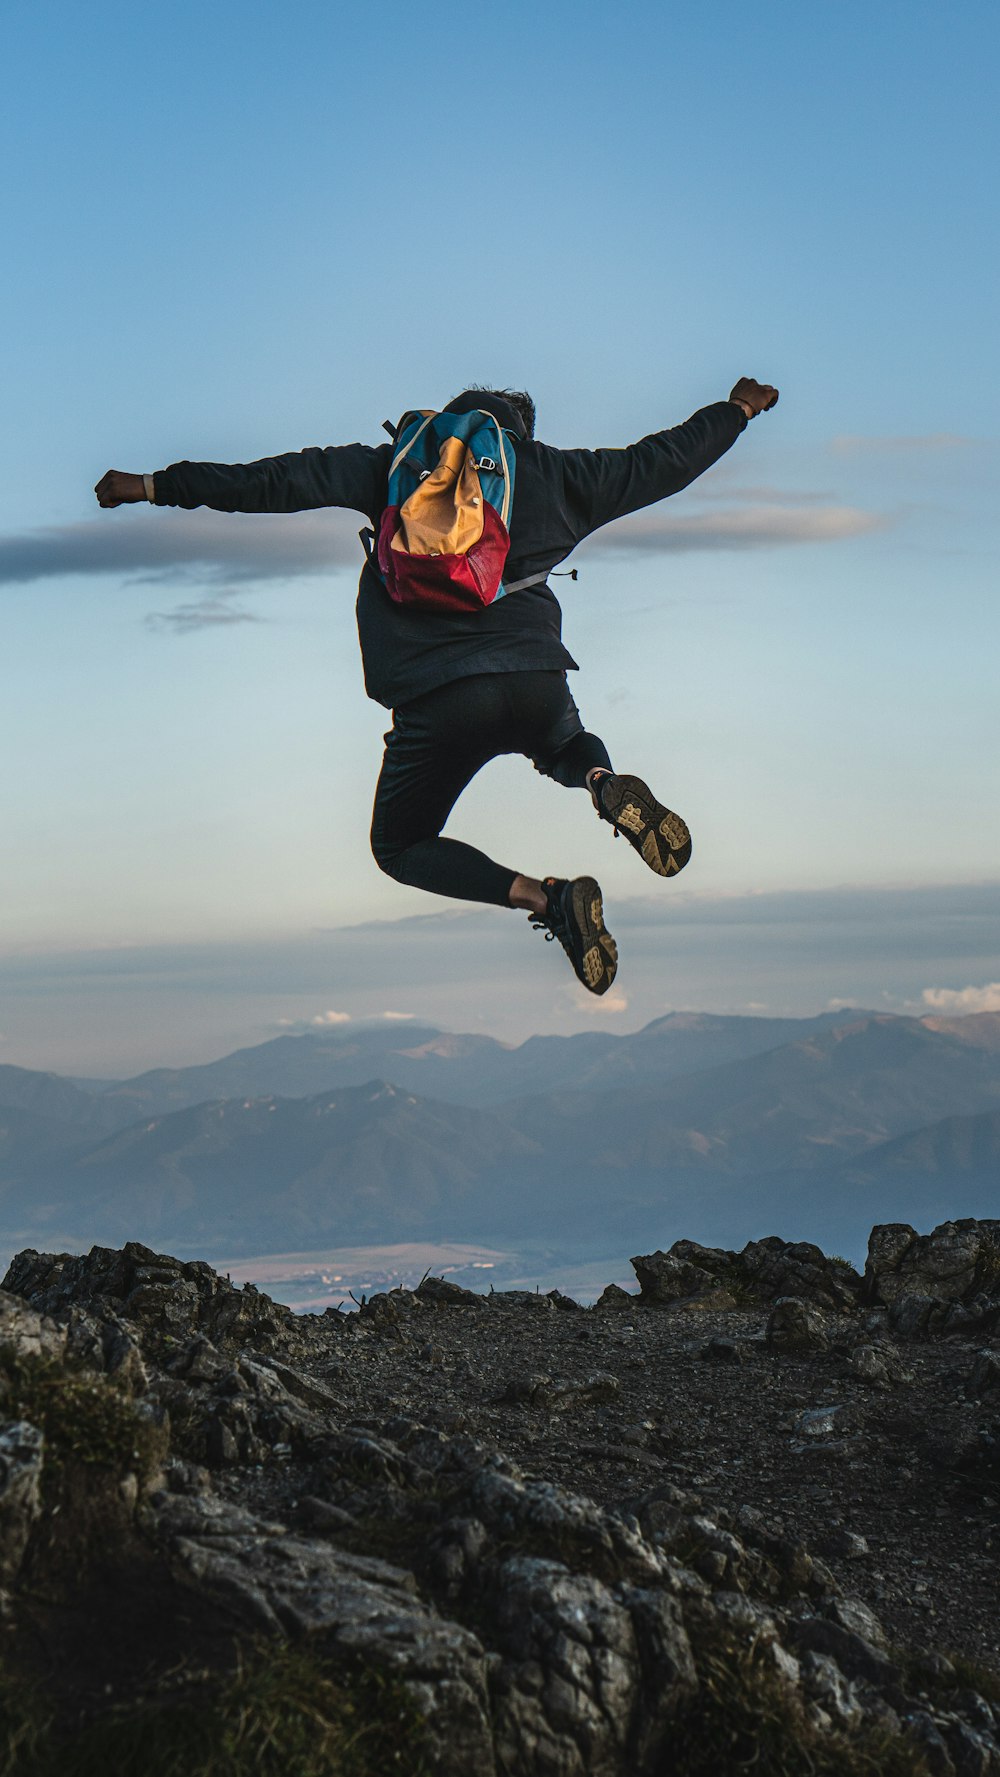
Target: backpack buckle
(488,464)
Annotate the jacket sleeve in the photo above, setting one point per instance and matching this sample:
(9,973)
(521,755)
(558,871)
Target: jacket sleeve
(601,485)
(351,475)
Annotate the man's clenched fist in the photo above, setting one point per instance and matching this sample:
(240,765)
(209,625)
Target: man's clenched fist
(118,489)
(753,397)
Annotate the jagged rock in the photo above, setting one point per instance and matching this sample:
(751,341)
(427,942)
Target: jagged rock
(527,1391)
(856,1657)
(710,1301)
(666,1278)
(973,1754)
(819,1422)
(590,1676)
(722,1350)
(985,1377)
(530,1511)
(930,1743)
(913,1317)
(973,1319)
(854,1614)
(388,1307)
(599,1387)
(442,1293)
(541,1634)
(278,1584)
(954,1262)
(162,1298)
(322,1518)
(797,1268)
(613,1296)
(21,1447)
(793,1326)
(770,1268)
(878,1365)
(252,1411)
(823,1681)
(26,1333)
(845,1543)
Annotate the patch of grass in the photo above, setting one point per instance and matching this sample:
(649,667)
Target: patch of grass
(743,1293)
(966,1675)
(971,1675)
(284,1711)
(744,1717)
(22,1728)
(85,1419)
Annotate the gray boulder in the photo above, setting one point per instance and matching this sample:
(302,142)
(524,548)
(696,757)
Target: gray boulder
(985,1377)
(160,1297)
(763,1271)
(27,1334)
(664,1278)
(914,1317)
(777,1268)
(590,1675)
(878,1365)
(795,1326)
(440,1292)
(278,1584)
(953,1263)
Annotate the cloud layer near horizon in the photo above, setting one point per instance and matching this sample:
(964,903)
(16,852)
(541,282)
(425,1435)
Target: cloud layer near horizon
(240,548)
(114,1011)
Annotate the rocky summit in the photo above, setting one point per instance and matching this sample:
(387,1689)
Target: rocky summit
(745,1518)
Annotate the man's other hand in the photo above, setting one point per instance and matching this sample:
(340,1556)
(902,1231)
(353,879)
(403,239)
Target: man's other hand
(118,489)
(753,397)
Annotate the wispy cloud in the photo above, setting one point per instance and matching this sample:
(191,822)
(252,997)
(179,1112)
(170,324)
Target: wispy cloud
(744,527)
(610,1004)
(210,612)
(114,1009)
(716,487)
(319,1021)
(856,444)
(960,1000)
(220,546)
(227,549)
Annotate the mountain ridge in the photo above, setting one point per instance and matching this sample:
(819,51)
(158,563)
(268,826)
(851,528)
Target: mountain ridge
(805,1128)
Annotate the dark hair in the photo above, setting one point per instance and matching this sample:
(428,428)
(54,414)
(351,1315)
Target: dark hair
(522,403)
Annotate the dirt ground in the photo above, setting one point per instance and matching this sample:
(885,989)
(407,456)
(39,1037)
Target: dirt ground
(613,1404)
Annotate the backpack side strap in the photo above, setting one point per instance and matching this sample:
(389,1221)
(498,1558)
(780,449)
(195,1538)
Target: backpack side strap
(540,579)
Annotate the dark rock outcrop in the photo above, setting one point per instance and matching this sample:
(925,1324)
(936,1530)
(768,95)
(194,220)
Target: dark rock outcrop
(238,1461)
(956,1262)
(763,1271)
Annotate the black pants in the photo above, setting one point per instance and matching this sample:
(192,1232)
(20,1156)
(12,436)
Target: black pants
(436,745)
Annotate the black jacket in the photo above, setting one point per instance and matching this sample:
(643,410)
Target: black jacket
(560,497)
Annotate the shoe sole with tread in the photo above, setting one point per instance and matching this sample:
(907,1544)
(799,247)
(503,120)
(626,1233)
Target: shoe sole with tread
(599,962)
(661,837)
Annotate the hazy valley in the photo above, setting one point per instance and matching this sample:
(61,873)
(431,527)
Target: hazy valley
(712,1127)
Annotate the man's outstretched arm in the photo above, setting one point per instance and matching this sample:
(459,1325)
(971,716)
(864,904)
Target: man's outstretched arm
(601,485)
(351,475)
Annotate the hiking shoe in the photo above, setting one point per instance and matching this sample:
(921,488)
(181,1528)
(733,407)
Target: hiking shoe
(660,837)
(575,915)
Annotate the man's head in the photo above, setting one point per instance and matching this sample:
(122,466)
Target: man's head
(512,407)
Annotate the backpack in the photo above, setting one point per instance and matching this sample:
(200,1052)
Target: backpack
(444,535)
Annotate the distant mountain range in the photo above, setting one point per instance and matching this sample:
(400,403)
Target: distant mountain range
(718,1128)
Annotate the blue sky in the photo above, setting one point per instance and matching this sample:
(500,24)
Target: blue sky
(232,231)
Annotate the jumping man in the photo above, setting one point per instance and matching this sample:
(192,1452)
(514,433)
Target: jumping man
(465,685)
